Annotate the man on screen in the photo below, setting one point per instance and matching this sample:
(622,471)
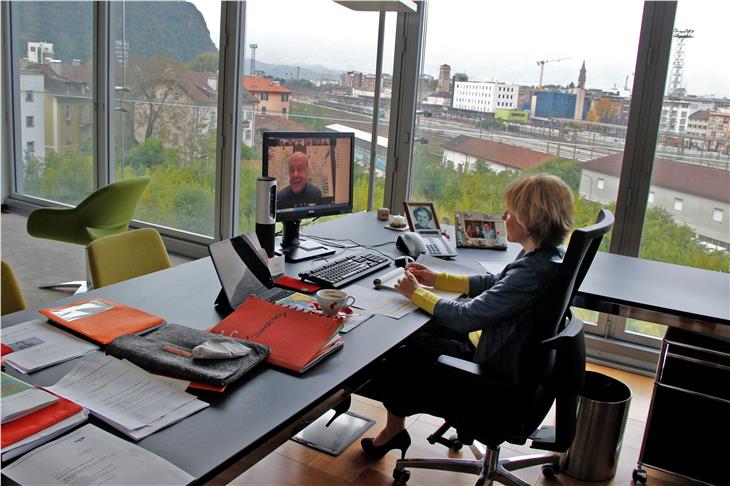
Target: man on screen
(299,190)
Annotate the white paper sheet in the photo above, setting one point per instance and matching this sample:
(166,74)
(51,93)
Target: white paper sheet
(389,280)
(92,456)
(120,392)
(37,344)
(386,302)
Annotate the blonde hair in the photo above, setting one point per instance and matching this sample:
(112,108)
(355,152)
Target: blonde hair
(543,204)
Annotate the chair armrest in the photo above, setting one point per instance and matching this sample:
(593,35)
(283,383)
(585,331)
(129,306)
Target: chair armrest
(462,368)
(59,224)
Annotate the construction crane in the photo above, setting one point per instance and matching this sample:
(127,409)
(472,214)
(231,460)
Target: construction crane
(542,66)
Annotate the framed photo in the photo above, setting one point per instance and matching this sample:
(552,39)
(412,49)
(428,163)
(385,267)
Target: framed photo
(421,216)
(480,230)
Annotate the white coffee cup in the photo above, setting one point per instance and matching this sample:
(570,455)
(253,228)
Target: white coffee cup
(331,301)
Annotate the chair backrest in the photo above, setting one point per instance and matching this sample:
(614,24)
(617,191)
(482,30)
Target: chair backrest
(12,298)
(113,205)
(126,255)
(551,360)
(559,369)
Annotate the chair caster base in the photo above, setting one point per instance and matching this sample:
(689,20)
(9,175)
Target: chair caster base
(550,471)
(401,476)
(639,475)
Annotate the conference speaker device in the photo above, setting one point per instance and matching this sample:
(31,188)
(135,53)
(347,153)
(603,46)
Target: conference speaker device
(266,212)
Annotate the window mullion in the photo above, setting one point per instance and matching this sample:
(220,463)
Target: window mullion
(102,95)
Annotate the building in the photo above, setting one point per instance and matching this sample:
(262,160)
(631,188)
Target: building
(351,79)
(363,142)
(555,104)
(40,52)
(32,112)
(444,81)
(694,195)
(271,98)
(676,112)
(463,152)
(508,115)
(484,96)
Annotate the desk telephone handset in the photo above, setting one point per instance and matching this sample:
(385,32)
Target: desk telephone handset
(411,243)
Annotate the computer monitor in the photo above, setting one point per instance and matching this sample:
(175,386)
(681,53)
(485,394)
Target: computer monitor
(314,173)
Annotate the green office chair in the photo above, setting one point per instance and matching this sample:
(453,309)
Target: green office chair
(12,298)
(105,212)
(127,255)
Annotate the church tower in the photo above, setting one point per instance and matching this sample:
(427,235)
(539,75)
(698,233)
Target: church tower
(582,76)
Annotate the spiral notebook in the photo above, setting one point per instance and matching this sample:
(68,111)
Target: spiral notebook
(298,340)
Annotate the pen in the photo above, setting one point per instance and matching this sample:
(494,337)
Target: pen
(177,351)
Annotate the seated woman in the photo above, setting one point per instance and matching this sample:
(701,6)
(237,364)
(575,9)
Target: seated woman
(489,328)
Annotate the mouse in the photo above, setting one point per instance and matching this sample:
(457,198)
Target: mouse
(402,261)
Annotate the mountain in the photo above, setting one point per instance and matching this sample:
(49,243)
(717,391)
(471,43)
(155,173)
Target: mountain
(175,30)
(285,71)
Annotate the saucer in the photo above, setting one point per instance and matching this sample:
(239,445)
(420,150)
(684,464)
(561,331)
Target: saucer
(395,228)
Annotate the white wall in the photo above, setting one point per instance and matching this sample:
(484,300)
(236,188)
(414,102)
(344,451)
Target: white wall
(696,210)
(485,96)
(33,83)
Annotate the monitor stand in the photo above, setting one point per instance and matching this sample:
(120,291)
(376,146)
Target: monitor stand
(296,249)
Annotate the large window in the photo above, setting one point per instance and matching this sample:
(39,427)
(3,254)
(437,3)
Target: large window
(166,88)
(330,89)
(52,44)
(690,183)
(494,103)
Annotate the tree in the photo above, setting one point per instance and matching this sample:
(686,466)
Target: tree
(205,62)
(153,81)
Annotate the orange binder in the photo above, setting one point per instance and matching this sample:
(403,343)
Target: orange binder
(37,421)
(100,320)
(297,339)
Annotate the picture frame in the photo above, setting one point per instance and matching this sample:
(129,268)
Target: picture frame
(470,233)
(421,216)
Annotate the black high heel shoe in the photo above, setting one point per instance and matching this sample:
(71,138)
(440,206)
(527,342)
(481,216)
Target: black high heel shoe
(401,441)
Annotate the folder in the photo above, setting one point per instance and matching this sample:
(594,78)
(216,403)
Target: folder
(38,421)
(298,340)
(100,320)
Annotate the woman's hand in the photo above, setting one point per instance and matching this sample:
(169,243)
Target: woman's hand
(423,274)
(407,285)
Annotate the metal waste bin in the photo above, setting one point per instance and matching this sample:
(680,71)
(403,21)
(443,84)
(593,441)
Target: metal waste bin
(603,407)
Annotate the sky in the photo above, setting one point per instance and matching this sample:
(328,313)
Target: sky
(490,40)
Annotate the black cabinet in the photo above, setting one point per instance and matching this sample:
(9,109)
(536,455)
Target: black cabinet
(690,410)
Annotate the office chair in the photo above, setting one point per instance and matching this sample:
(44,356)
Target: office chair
(551,368)
(104,212)
(12,297)
(116,258)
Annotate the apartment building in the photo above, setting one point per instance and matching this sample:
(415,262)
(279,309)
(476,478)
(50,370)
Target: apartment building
(484,96)
(271,98)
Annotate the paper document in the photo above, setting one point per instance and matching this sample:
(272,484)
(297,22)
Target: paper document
(37,344)
(92,456)
(494,268)
(32,441)
(389,303)
(389,280)
(121,393)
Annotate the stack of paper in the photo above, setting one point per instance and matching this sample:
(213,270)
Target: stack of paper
(126,397)
(91,456)
(31,416)
(37,344)
(20,399)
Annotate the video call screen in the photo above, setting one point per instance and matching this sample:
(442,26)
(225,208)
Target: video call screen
(311,170)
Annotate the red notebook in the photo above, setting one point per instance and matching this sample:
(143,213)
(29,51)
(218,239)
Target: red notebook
(100,320)
(37,421)
(297,339)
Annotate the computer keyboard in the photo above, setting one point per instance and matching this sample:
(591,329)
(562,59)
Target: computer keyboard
(342,271)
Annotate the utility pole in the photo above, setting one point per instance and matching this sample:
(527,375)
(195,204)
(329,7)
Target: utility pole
(253,58)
